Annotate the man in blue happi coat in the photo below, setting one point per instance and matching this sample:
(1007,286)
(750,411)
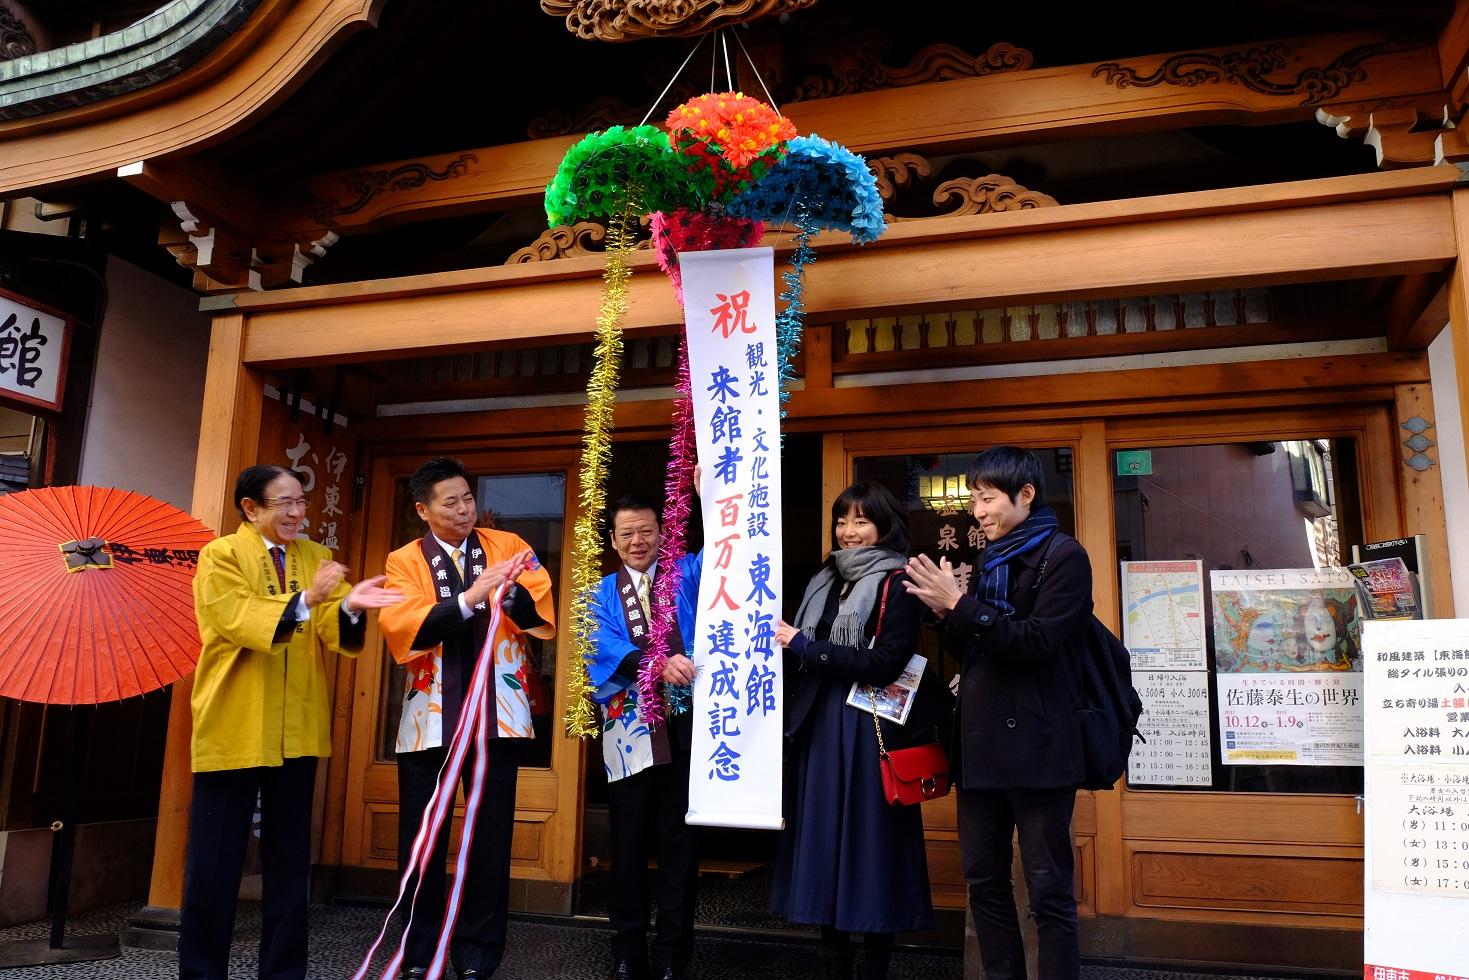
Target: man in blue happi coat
(647,769)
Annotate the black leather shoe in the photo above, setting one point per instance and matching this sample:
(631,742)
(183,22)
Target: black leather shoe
(414,973)
(472,975)
(628,970)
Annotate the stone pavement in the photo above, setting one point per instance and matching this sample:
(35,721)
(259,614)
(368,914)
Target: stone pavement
(539,948)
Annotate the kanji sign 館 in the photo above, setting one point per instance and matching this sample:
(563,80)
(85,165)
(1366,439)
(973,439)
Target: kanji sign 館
(33,343)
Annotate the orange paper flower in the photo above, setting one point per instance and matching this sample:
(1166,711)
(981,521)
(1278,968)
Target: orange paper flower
(732,136)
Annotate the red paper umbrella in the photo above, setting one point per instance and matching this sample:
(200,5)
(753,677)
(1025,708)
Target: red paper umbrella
(96,599)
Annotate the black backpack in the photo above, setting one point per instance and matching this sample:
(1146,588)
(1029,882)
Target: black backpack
(1106,701)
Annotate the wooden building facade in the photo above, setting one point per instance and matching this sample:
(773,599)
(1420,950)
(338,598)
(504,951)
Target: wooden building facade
(1292,286)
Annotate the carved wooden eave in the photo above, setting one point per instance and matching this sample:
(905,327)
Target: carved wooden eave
(851,66)
(856,65)
(631,20)
(16,37)
(216,233)
(561,242)
(239,80)
(1400,135)
(965,114)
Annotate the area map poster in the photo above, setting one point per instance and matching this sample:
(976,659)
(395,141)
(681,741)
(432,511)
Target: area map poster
(1288,661)
(1163,626)
(1165,630)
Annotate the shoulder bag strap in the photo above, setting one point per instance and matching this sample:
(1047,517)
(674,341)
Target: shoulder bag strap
(882,608)
(1045,559)
(1067,670)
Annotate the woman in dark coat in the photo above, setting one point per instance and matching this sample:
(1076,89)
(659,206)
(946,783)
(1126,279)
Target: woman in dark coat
(848,862)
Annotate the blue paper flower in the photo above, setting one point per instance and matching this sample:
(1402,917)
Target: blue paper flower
(822,185)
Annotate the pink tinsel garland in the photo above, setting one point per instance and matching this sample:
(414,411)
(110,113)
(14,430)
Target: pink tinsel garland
(678,490)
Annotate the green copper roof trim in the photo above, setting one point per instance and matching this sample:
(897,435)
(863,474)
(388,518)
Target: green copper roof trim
(153,49)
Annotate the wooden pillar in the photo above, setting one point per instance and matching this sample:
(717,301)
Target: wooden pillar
(1094,526)
(1459,301)
(1459,330)
(229,433)
(818,357)
(834,479)
(1422,491)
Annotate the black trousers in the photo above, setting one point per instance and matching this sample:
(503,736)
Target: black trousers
(646,812)
(988,819)
(219,828)
(478,942)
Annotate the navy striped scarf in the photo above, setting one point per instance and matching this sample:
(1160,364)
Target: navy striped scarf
(1028,535)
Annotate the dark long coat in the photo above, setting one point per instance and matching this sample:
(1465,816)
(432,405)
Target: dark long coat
(846,858)
(1017,726)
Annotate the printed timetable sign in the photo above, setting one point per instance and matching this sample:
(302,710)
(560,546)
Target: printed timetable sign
(729,311)
(1416,676)
(1175,722)
(33,342)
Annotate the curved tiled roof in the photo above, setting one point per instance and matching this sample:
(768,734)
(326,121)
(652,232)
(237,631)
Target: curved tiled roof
(153,49)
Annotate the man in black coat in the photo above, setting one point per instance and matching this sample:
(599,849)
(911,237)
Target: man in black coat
(1017,750)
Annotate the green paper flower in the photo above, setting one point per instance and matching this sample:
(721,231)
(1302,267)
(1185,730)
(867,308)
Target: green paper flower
(618,170)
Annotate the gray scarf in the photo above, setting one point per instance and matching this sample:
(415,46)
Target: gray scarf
(867,569)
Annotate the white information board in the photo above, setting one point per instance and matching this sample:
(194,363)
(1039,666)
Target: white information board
(1416,676)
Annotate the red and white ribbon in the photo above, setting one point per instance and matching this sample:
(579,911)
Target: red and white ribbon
(473,726)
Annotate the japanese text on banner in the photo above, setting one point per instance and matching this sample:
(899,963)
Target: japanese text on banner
(730,315)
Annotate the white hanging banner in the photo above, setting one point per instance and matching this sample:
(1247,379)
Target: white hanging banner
(729,311)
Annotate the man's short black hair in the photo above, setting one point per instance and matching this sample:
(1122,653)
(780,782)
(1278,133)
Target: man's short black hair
(632,501)
(876,503)
(433,472)
(1008,469)
(252,481)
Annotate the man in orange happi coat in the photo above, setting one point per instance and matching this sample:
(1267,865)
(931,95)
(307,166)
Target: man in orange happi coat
(447,579)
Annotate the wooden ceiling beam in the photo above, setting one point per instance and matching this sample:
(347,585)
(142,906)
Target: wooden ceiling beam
(1250,385)
(195,181)
(950,263)
(1265,84)
(1453,51)
(1416,310)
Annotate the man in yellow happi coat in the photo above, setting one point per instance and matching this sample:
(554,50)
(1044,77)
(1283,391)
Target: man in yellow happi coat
(268,604)
(448,579)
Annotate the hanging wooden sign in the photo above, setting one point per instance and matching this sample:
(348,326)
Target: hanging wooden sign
(33,350)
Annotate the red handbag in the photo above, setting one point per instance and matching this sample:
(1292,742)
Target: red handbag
(915,775)
(912,775)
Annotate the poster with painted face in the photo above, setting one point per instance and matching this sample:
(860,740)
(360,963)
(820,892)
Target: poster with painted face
(1290,620)
(1288,662)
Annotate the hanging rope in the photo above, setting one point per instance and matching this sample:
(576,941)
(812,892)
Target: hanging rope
(756,72)
(654,107)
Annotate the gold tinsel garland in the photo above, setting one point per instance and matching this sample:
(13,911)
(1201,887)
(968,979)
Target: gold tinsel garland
(586,549)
